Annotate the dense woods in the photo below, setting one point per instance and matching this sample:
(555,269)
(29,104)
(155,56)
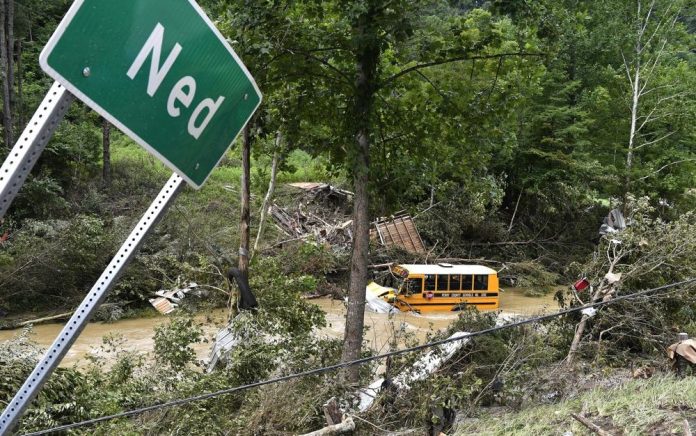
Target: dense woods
(508,129)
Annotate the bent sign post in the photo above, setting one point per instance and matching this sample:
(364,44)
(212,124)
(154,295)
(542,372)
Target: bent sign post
(162,73)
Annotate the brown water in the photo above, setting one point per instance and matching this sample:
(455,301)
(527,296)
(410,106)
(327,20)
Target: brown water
(381,328)
(138,333)
(137,336)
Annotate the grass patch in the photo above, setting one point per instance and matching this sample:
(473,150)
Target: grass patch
(655,406)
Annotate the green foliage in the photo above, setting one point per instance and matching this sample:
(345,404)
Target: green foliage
(54,257)
(173,342)
(650,253)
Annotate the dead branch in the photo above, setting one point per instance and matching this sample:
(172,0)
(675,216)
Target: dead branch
(348,425)
(665,166)
(590,425)
(44,319)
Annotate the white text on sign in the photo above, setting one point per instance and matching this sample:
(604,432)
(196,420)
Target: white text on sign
(183,92)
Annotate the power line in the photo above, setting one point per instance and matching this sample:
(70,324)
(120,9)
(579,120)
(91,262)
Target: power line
(361,361)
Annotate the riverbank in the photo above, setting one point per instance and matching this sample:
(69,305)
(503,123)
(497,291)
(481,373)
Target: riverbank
(659,405)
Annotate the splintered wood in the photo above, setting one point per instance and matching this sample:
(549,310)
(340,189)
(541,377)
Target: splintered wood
(400,232)
(320,214)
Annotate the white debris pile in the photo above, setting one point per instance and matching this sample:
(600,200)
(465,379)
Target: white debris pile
(426,365)
(167,300)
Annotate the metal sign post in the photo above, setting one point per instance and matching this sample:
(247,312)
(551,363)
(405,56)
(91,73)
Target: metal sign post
(89,305)
(162,73)
(31,143)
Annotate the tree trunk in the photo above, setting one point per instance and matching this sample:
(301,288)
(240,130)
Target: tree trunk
(6,85)
(579,331)
(366,65)
(245,217)
(10,51)
(269,193)
(598,295)
(106,148)
(20,87)
(634,119)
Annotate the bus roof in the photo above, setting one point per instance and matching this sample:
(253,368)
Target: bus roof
(447,269)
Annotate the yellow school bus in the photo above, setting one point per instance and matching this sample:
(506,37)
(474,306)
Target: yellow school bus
(443,287)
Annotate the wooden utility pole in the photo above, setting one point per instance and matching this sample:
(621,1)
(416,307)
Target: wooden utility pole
(245,216)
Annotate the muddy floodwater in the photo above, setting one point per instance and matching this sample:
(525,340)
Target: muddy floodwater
(381,328)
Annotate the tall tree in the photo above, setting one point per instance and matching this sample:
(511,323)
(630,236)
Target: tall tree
(654,27)
(363,51)
(7,66)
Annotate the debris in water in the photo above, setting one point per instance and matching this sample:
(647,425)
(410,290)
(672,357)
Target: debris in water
(168,300)
(374,301)
(400,231)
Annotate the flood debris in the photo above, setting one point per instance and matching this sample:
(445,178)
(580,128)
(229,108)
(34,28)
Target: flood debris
(428,364)
(374,301)
(323,189)
(225,340)
(399,231)
(346,426)
(613,223)
(682,353)
(322,213)
(168,300)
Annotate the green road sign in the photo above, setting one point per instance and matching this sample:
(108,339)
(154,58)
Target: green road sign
(161,72)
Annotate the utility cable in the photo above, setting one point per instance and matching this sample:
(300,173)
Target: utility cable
(361,361)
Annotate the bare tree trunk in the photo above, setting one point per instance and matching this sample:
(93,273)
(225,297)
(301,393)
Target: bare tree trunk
(106,153)
(634,108)
(649,49)
(366,63)
(269,193)
(6,84)
(245,215)
(514,213)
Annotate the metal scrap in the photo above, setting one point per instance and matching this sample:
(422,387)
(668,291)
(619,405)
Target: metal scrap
(400,231)
(614,222)
(168,300)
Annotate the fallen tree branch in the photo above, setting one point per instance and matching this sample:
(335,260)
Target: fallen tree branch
(590,425)
(348,425)
(36,321)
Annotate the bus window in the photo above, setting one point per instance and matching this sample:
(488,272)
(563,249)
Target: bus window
(466,283)
(413,286)
(480,283)
(442,284)
(455,282)
(430,282)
